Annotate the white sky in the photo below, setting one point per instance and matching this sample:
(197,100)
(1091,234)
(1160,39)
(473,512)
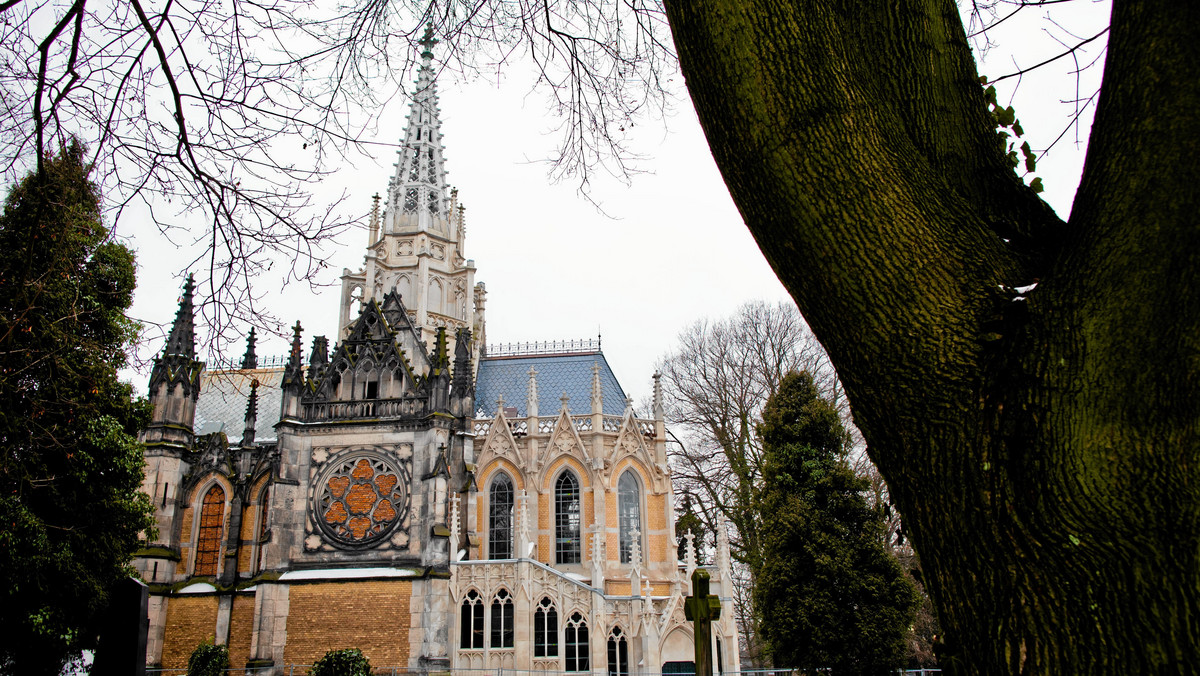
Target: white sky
(672,248)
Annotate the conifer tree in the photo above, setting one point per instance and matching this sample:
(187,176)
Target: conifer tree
(827,593)
(70,465)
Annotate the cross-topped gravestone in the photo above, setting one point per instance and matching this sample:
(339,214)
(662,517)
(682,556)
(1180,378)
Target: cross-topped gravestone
(702,609)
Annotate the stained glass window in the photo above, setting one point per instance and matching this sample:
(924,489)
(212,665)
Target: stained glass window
(208,541)
(566,519)
(500,518)
(361,499)
(629,508)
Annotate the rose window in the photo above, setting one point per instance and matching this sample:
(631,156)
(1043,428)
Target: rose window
(361,499)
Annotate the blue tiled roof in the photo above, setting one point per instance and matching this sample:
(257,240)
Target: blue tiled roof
(556,374)
(222,403)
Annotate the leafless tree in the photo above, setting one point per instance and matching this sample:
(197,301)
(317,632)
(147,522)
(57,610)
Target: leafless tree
(715,385)
(228,113)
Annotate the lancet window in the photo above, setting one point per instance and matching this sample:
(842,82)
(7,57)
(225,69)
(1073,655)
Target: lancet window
(566,519)
(545,629)
(500,518)
(471,634)
(618,653)
(575,644)
(208,540)
(630,511)
(502,620)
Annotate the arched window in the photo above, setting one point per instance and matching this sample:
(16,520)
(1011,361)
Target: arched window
(264,511)
(630,513)
(208,541)
(618,653)
(471,636)
(500,518)
(545,629)
(502,620)
(566,519)
(575,644)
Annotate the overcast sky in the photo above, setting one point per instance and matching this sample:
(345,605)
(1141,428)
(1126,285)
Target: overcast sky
(670,249)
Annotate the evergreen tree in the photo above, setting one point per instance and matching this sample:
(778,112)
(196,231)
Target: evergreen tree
(828,593)
(70,465)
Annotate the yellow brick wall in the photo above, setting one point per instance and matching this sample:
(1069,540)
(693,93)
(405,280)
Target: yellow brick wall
(371,615)
(241,625)
(616,587)
(185,541)
(247,536)
(656,505)
(660,549)
(190,621)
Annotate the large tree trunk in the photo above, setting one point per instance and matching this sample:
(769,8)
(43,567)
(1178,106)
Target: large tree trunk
(1043,450)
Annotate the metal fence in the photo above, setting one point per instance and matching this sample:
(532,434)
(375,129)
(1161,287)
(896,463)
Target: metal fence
(302,670)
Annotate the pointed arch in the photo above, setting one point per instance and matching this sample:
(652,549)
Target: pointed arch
(211,532)
(618,652)
(435,298)
(576,644)
(629,514)
(501,500)
(502,620)
(567,517)
(471,621)
(545,629)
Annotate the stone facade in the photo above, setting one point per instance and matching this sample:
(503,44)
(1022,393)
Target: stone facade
(382,494)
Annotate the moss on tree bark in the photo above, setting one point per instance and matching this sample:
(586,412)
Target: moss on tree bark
(1042,447)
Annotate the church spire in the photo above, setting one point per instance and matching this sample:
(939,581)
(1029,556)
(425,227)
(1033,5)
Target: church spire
(418,195)
(182,340)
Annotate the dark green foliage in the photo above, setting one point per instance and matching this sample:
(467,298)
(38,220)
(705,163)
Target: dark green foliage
(827,594)
(345,662)
(690,522)
(70,464)
(208,660)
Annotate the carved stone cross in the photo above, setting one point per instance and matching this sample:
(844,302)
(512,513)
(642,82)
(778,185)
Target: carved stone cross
(702,609)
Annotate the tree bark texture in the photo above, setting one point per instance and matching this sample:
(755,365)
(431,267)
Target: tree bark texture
(1042,446)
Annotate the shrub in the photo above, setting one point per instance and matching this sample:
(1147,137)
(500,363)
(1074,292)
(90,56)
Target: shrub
(208,660)
(345,662)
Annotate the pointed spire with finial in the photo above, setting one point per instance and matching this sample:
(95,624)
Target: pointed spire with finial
(250,359)
(373,234)
(251,415)
(418,195)
(177,366)
(531,396)
(597,391)
(294,371)
(182,340)
(658,396)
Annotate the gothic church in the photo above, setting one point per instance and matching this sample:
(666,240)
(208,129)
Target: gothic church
(409,492)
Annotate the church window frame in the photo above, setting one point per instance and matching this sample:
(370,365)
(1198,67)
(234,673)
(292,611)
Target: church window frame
(501,503)
(261,529)
(502,618)
(545,629)
(471,619)
(567,518)
(618,653)
(576,644)
(210,532)
(629,514)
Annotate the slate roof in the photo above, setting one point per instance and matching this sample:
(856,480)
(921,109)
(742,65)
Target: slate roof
(222,403)
(556,374)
